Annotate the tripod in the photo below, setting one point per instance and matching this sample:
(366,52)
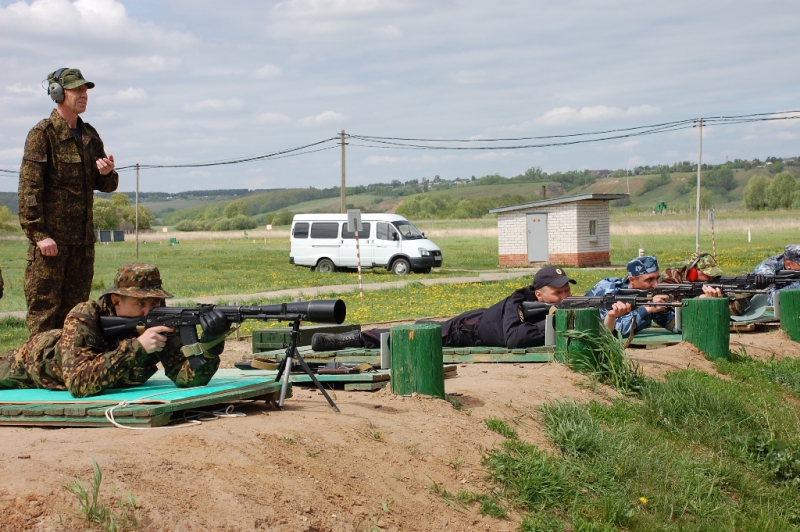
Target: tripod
(286,368)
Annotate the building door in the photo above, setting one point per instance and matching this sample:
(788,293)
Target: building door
(537,237)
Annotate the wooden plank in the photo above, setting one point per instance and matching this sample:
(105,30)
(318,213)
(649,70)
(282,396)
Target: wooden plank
(364,386)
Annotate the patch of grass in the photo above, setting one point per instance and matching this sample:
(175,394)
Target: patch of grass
(287,440)
(695,452)
(501,427)
(94,511)
(13,332)
(603,358)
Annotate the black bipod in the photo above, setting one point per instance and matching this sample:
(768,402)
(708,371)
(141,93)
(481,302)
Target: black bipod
(286,368)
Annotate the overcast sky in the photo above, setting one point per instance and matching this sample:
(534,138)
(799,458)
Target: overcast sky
(188,81)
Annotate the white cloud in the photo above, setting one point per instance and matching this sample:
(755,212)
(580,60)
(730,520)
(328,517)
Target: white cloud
(18,88)
(273,118)
(568,115)
(11,153)
(390,32)
(62,20)
(468,77)
(153,63)
(380,160)
(215,105)
(788,135)
(307,8)
(132,95)
(328,117)
(267,71)
(619,146)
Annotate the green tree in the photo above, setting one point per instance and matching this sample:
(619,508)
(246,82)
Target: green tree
(120,200)
(705,198)
(755,193)
(5,214)
(776,167)
(780,193)
(720,179)
(235,208)
(106,215)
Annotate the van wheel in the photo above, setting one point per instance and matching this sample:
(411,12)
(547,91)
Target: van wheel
(401,267)
(326,266)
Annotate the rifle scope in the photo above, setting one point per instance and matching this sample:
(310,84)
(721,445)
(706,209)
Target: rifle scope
(319,310)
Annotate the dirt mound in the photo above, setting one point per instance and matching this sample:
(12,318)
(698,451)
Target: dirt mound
(379,462)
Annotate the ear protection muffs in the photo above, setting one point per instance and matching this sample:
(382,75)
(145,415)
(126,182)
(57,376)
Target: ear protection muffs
(55,87)
(691,270)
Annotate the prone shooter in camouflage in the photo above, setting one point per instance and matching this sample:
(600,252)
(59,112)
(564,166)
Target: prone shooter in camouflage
(63,163)
(79,359)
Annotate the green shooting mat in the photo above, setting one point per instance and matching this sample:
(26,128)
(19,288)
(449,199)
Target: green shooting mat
(151,404)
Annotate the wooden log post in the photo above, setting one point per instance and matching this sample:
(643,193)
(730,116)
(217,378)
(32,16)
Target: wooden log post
(790,313)
(706,325)
(417,364)
(584,319)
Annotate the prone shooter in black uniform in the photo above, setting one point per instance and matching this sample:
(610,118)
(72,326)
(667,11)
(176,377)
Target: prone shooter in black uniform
(500,325)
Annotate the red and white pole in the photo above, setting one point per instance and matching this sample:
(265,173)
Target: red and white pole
(358,259)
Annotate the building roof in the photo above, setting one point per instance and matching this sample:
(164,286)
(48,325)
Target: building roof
(565,199)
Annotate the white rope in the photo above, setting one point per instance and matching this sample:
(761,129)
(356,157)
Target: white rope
(215,414)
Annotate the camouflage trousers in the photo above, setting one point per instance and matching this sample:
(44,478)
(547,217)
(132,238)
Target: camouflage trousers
(54,285)
(35,364)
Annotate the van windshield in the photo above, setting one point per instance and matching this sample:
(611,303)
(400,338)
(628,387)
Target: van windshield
(407,230)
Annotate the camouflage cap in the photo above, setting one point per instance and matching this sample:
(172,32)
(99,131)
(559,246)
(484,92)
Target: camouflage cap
(70,78)
(138,279)
(792,252)
(642,266)
(705,263)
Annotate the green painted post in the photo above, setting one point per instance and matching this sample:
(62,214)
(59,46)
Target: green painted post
(417,360)
(584,319)
(706,325)
(790,313)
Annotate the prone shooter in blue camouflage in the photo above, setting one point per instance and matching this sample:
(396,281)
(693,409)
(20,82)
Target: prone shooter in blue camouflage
(80,359)
(788,260)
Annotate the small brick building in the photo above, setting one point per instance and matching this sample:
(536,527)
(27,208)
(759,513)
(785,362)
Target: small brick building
(569,231)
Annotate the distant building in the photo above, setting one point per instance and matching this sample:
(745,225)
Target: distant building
(601,173)
(568,231)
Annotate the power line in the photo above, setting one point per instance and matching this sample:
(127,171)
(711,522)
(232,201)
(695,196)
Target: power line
(403,143)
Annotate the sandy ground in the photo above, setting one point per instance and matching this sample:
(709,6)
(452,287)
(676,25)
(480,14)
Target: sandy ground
(308,468)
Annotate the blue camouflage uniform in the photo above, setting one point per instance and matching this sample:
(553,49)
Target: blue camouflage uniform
(774,264)
(612,285)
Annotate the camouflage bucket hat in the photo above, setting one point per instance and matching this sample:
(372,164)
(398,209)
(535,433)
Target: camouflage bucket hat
(642,266)
(706,264)
(792,252)
(71,78)
(138,279)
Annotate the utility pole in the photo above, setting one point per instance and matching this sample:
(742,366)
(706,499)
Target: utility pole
(344,193)
(699,165)
(136,223)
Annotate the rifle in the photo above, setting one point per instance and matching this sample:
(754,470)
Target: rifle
(537,310)
(688,289)
(186,319)
(760,280)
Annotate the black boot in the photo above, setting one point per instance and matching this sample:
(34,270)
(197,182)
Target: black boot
(333,342)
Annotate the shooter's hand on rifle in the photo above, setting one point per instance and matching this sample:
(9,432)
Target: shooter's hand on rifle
(215,323)
(617,309)
(154,339)
(711,291)
(655,309)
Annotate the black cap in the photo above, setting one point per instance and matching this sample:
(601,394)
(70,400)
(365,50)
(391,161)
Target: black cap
(552,277)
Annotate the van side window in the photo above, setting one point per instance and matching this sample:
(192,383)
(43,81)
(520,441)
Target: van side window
(364,233)
(300,230)
(384,231)
(325,230)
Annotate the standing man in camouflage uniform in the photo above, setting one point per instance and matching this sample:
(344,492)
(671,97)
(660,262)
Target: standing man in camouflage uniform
(63,163)
(788,260)
(80,359)
(643,274)
(1,284)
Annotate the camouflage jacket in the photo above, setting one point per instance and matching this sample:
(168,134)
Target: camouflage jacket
(57,180)
(612,285)
(79,359)
(771,266)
